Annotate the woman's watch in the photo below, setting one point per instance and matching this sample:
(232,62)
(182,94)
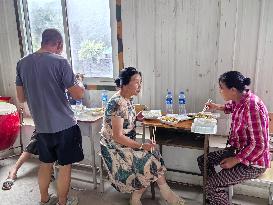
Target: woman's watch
(141,146)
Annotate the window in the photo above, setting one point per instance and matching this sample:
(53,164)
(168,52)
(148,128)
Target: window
(44,14)
(90,37)
(85,25)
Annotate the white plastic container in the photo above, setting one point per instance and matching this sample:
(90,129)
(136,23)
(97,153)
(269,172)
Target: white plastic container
(204,126)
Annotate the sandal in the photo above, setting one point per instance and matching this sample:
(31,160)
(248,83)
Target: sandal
(180,201)
(8,184)
(134,203)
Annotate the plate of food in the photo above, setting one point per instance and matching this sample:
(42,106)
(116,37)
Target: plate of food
(94,111)
(206,115)
(169,120)
(151,114)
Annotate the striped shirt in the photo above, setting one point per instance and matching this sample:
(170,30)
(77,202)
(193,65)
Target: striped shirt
(249,132)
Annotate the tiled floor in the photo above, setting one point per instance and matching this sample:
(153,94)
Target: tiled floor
(26,191)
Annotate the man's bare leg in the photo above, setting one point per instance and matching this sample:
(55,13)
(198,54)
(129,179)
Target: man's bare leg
(22,159)
(44,176)
(63,183)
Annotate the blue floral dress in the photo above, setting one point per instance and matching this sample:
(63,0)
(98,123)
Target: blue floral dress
(128,169)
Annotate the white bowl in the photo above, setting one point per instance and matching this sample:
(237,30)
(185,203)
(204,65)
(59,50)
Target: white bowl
(151,114)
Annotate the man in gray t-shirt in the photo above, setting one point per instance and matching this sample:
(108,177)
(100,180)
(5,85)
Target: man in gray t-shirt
(45,76)
(42,79)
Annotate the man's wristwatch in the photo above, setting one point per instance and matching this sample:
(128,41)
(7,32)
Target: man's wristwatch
(141,146)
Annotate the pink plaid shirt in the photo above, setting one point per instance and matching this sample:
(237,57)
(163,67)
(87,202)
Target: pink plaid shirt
(249,131)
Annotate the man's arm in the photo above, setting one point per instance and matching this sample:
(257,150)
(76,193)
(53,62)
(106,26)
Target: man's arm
(20,94)
(72,83)
(76,92)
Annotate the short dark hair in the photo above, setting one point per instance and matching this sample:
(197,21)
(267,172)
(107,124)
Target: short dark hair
(125,76)
(51,36)
(235,79)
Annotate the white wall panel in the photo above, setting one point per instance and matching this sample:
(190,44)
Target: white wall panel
(165,26)
(145,16)
(128,15)
(247,37)
(264,72)
(186,45)
(9,49)
(227,39)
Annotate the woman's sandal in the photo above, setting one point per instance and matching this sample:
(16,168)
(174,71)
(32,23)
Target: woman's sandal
(7,184)
(131,202)
(179,202)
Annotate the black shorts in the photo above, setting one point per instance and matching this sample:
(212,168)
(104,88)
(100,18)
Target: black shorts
(32,145)
(65,146)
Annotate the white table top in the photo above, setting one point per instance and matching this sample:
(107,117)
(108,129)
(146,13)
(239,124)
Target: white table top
(88,118)
(88,114)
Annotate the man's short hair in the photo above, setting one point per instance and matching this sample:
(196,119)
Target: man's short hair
(51,36)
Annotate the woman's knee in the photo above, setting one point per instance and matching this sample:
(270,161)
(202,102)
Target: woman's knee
(209,188)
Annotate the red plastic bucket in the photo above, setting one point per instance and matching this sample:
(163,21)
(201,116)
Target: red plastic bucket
(9,125)
(4,99)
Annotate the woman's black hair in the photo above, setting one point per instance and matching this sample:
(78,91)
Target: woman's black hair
(235,79)
(125,76)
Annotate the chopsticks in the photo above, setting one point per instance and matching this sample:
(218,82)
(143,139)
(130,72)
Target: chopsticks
(153,139)
(206,107)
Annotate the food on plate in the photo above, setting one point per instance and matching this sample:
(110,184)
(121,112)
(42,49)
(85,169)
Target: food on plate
(205,115)
(94,111)
(169,119)
(97,109)
(191,115)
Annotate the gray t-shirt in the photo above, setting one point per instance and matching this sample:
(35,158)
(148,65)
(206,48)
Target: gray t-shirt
(45,77)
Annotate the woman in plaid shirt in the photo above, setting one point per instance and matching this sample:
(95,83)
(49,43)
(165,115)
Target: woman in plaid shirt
(247,153)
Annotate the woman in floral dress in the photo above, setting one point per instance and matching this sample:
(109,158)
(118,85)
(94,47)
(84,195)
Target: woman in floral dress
(130,165)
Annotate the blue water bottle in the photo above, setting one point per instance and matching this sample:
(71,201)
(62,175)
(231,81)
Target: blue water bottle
(104,98)
(182,104)
(169,102)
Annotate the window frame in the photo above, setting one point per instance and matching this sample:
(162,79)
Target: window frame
(24,22)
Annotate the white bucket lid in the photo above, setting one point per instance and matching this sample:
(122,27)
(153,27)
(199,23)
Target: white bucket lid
(7,108)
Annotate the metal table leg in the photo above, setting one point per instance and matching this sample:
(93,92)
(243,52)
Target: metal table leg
(93,156)
(206,149)
(143,133)
(21,115)
(152,184)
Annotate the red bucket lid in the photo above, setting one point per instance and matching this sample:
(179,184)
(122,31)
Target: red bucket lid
(4,99)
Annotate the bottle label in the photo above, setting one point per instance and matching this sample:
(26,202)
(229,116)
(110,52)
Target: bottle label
(78,102)
(182,101)
(169,101)
(104,98)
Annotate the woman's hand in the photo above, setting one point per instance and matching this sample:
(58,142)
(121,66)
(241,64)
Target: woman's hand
(214,106)
(148,146)
(229,162)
